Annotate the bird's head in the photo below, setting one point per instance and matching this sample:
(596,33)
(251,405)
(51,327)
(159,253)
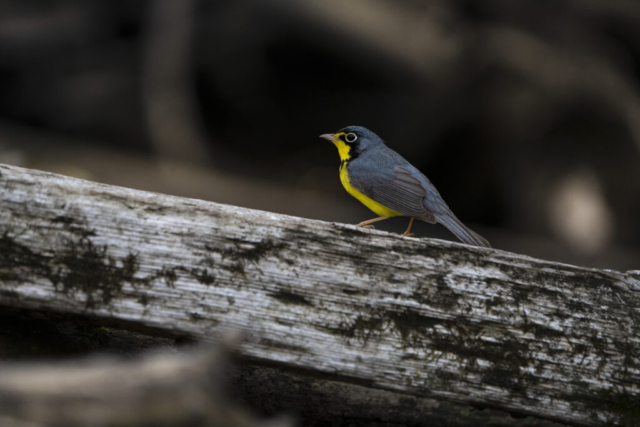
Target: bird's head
(352,141)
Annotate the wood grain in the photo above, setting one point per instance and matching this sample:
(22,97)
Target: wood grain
(423,317)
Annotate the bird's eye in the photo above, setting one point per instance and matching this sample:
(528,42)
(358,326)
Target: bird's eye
(351,137)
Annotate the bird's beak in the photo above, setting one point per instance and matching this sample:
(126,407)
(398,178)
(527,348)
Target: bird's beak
(330,137)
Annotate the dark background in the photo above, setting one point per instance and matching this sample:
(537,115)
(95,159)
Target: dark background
(524,114)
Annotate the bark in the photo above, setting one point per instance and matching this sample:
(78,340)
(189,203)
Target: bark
(321,402)
(421,317)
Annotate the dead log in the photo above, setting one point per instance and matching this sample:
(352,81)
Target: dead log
(158,390)
(319,401)
(422,317)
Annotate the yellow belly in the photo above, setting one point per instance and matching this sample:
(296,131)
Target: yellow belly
(370,203)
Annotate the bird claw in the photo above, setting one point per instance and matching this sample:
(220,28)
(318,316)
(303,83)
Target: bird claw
(370,227)
(409,234)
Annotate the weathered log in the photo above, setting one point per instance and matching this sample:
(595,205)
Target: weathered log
(319,401)
(158,390)
(433,319)
(267,391)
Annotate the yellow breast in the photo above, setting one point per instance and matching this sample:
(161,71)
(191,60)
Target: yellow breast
(370,203)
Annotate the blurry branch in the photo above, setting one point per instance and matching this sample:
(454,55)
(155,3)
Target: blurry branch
(27,33)
(419,41)
(159,390)
(437,42)
(620,10)
(421,317)
(13,422)
(566,75)
(173,121)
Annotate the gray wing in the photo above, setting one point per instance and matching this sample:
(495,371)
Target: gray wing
(395,188)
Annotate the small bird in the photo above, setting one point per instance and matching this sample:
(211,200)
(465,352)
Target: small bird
(390,186)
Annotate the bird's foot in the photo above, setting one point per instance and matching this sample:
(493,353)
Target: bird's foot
(408,234)
(369,226)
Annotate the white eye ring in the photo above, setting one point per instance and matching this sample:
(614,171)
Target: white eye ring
(351,137)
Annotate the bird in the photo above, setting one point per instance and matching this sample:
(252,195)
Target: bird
(390,186)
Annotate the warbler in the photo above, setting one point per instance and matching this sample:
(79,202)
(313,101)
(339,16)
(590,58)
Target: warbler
(390,186)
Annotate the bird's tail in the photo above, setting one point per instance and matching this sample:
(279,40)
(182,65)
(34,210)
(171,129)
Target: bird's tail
(461,231)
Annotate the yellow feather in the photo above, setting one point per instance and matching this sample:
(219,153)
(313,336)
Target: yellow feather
(376,207)
(343,150)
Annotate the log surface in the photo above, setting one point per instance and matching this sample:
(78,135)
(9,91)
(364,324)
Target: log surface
(433,319)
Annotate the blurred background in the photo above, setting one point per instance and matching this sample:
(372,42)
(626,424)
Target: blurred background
(524,114)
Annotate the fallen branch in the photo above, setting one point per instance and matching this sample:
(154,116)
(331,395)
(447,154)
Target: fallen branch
(158,390)
(422,317)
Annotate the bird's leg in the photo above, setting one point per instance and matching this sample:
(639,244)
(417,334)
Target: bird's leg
(406,233)
(365,224)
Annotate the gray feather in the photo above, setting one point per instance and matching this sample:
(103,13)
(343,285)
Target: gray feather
(394,187)
(461,231)
(386,177)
